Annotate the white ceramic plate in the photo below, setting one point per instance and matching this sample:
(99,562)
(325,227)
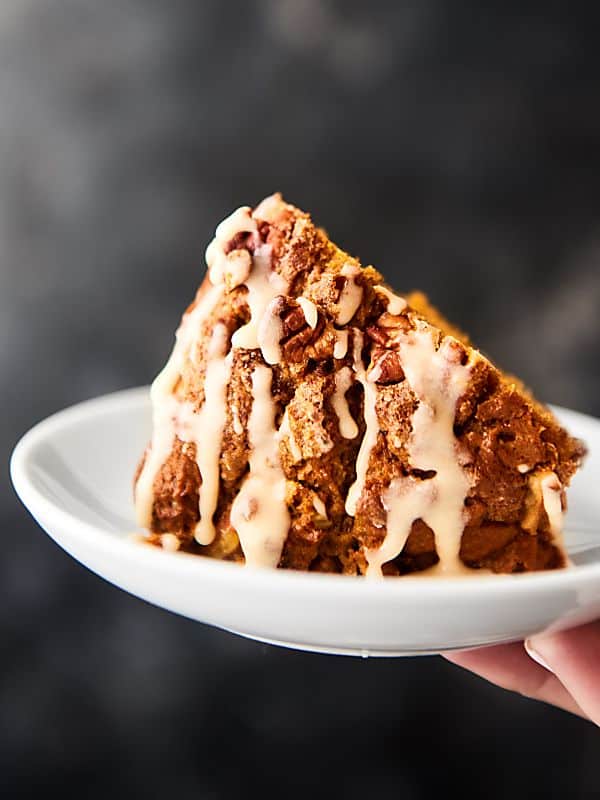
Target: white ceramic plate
(74,473)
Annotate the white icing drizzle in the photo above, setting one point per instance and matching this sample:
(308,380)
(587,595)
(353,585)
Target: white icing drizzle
(214,255)
(551,498)
(165,406)
(285,431)
(371,422)
(218,344)
(233,265)
(347,425)
(376,370)
(270,208)
(263,283)
(405,500)
(238,221)
(340,348)
(237,267)
(263,286)
(309,309)
(204,428)
(270,331)
(259,513)
(350,296)
(231,269)
(319,506)
(170,542)
(235,416)
(438,379)
(396,304)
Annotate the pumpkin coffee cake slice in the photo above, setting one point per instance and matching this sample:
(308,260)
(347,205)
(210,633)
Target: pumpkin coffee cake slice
(310,418)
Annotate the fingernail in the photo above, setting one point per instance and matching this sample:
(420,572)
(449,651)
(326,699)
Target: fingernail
(533,653)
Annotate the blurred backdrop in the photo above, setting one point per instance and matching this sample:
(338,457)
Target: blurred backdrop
(455,146)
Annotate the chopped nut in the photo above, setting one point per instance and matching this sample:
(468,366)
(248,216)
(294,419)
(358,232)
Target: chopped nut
(454,351)
(239,241)
(388,329)
(293,320)
(386,367)
(297,334)
(378,335)
(394,322)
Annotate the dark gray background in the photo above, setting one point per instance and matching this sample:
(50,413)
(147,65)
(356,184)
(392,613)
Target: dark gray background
(456,147)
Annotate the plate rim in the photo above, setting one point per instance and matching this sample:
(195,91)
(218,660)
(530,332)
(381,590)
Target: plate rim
(42,508)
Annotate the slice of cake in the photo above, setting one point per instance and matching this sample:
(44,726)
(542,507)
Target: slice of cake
(310,418)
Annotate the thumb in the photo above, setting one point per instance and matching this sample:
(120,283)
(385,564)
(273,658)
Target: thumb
(574,657)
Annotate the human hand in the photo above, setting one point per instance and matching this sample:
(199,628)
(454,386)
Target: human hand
(562,669)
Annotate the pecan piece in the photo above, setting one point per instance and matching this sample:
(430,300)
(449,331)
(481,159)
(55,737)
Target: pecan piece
(297,334)
(378,335)
(296,345)
(293,319)
(386,367)
(239,242)
(455,352)
(388,329)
